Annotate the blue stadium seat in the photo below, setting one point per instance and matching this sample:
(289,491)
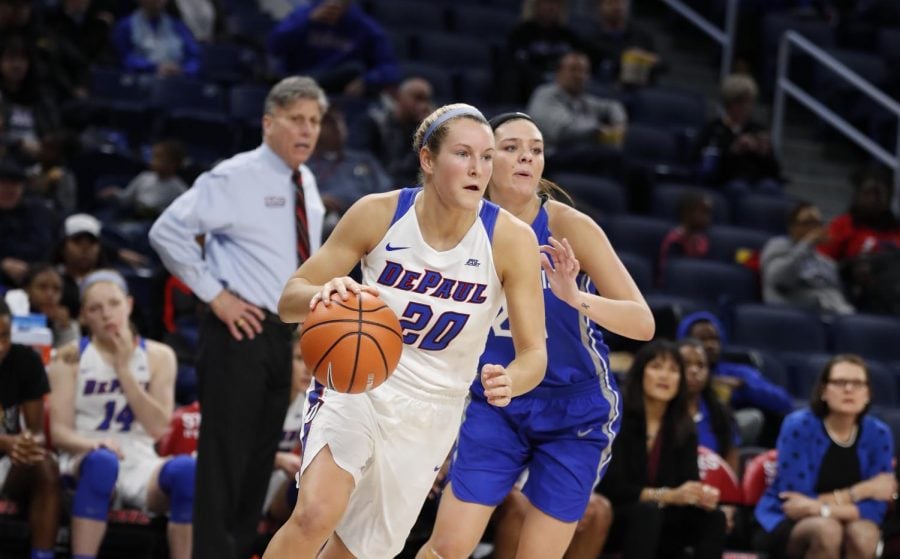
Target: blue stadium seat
(669,108)
(640,268)
(475,86)
(778,329)
(654,149)
(212,134)
(450,52)
(410,15)
(665,197)
(226,63)
(871,336)
(169,94)
(477,21)
(714,282)
(440,79)
(637,234)
(763,212)
(727,240)
(246,102)
(605,195)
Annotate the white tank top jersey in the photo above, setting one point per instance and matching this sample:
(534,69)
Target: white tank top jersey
(445,300)
(101,409)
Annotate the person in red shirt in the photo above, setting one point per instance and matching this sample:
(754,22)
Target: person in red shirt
(865,241)
(868,226)
(689,239)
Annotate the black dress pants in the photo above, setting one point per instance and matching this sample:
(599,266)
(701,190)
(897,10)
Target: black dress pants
(244,395)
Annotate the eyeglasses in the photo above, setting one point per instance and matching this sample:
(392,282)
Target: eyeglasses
(852,384)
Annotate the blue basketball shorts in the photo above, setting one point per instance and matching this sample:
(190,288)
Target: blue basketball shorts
(564,441)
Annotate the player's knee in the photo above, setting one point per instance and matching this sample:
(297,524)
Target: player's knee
(176,480)
(447,548)
(315,520)
(96,482)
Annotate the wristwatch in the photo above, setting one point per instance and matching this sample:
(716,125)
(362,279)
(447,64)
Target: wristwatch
(825,511)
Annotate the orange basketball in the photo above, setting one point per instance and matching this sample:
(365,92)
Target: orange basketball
(352,346)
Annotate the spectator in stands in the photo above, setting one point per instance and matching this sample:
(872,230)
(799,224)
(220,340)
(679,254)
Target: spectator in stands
(30,111)
(110,400)
(81,29)
(28,472)
(834,475)
(868,226)
(151,192)
(344,175)
(568,114)
(750,392)
(654,464)
(386,128)
(44,284)
(50,177)
(26,226)
(534,47)
(152,41)
(622,50)
(733,151)
(689,239)
(795,273)
(202,17)
(716,429)
(865,241)
(335,42)
(78,255)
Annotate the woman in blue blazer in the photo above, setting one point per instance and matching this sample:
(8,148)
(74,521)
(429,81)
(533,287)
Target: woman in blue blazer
(834,477)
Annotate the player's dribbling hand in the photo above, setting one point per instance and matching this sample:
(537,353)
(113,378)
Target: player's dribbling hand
(343,286)
(497,385)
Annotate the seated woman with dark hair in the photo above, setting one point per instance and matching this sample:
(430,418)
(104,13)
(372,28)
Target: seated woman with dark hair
(659,505)
(834,477)
(716,429)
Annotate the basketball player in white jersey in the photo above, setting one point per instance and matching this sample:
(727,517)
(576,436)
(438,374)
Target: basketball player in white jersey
(443,259)
(112,396)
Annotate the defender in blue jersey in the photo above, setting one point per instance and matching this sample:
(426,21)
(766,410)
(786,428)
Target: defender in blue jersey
(559,434)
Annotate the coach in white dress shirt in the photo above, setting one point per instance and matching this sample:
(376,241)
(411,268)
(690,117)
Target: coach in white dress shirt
(258,214)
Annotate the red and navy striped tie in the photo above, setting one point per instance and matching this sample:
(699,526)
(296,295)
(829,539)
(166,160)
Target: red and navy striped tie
(300,221)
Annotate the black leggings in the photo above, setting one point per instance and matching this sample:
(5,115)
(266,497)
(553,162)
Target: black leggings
(643,529)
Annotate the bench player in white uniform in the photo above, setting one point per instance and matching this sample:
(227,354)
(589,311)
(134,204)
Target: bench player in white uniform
(443,259)
(112,396)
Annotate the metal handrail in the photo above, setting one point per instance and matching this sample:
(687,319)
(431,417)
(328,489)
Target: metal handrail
(784,86)
(723,36)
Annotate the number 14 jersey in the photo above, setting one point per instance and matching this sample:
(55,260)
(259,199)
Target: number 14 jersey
(101,409)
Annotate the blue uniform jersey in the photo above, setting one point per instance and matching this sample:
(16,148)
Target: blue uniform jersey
(576,352)
(560,432)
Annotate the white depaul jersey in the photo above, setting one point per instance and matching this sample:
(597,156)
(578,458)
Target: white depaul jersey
(445,300)
(101,409)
